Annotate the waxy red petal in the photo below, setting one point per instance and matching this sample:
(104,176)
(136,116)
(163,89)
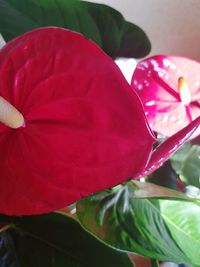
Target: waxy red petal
(85,129)
(156,82)
(164,151)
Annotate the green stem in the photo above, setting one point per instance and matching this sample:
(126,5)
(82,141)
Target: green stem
(155,263)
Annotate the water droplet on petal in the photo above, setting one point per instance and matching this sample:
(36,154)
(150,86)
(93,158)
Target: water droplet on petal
(150,103)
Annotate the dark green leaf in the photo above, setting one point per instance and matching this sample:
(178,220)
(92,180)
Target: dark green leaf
(8,256)
(134,39)
(159,228)
(56,240)
(164,176)
(101,23)
(186,162)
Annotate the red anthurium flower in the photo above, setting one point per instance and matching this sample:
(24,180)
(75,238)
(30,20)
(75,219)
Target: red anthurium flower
(70,125)
(169,88)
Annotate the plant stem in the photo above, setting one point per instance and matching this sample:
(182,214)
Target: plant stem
(5,228)
(155,263)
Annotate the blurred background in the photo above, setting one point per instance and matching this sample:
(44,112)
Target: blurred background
(173,26)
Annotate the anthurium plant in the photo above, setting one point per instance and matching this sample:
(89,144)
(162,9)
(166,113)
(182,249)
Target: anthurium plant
(94,170)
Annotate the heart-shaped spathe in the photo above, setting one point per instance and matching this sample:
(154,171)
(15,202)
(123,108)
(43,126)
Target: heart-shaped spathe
(169,88)
(84,128)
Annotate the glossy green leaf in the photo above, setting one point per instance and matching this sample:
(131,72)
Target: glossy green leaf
(101,23)
(186,162)
(56,240)
(159,228)
(133,40)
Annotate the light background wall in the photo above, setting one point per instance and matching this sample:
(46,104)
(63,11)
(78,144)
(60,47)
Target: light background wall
(173,26)
(2,42)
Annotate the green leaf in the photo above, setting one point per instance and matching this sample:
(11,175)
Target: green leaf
(56,240)
(178,159)
(192,191)
(101,23)
(127,219)
(186,162)
(164,176)
(134,39)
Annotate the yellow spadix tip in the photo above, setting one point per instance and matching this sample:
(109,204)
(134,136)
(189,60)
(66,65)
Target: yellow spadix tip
(184,91)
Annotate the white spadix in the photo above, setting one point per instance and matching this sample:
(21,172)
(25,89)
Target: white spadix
(9,115)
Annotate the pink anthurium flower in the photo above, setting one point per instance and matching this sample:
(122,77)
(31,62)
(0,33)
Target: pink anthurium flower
(169,88)
(70,125)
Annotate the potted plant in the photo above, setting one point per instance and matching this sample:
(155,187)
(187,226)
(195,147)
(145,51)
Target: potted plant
(88,173)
